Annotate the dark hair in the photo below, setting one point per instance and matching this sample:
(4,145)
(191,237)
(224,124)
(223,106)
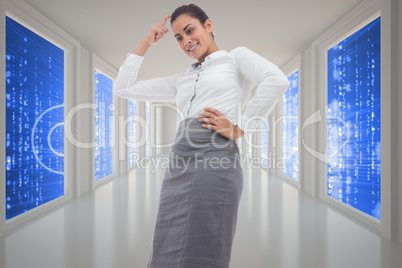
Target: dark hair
(191,10)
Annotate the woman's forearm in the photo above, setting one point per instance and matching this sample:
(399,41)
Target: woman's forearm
(142,48)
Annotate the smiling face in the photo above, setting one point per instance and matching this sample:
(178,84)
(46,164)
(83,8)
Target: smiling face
(193,38)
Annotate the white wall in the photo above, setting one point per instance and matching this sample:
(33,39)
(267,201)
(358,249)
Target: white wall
(311,98)
(38,22)
(84,131)
(309,102)
(309,105)
(79,90)
(398,111)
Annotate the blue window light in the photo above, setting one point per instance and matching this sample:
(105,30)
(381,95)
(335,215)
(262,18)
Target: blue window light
(132,132)
(147,132)
(354,112)
(291,128)
(34,120)
(264,142)
(103,126)
(157,136)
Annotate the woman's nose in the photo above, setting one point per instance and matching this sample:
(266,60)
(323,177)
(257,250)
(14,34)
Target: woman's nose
(187,41)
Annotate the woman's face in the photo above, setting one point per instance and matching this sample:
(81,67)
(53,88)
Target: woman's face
(193,38)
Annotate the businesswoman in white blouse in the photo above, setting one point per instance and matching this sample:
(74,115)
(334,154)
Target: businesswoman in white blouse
(202,186)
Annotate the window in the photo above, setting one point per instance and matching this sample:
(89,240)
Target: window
(104,138)
(132,130)
(264,143)
(353,120)
(157,126)
(250,144)
(147,128)
(34,120)
(290,128)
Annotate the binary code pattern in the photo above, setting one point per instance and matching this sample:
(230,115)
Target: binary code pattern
(354,112)
(34,120)
(264,142)
(132,132)
(291,128)
(103,126)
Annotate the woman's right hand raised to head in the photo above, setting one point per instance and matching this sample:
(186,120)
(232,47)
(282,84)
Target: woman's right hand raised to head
(157,32)
(152,38)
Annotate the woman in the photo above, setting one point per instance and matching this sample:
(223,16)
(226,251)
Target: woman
(202,186)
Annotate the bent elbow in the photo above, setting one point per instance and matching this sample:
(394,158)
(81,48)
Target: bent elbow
(285,84)
(118,92)
(119,89)
(280,82)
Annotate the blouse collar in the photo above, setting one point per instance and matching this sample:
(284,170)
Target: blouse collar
(213,55)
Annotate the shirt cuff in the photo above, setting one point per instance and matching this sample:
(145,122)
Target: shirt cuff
(133,58)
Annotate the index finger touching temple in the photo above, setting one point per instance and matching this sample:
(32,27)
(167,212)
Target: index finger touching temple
(165,19)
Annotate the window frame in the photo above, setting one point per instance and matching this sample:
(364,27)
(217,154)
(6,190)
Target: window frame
(153,140)
(260,152)
(359,17)
(156,126)
(289,68)
(103,67)
(37,23)
(137,111)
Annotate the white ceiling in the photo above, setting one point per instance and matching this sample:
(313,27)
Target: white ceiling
(277,30)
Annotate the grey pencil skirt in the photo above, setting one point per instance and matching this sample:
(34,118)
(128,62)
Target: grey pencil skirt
(199,199)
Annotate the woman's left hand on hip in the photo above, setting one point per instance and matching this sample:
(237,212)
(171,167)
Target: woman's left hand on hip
(218,122)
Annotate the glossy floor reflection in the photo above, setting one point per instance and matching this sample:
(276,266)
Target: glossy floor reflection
(278,227)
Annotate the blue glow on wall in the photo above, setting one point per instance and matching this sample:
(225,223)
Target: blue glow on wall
(103,126)
(132,130)
(34,120)
(157,135)
(291,128)
(354,112)
(264,142)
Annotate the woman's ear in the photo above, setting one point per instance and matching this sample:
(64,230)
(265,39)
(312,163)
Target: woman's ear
(208,25)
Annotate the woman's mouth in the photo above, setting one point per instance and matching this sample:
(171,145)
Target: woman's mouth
(192,48)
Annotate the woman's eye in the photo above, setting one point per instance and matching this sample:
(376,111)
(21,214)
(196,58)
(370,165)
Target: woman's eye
(190,31)
(179,39)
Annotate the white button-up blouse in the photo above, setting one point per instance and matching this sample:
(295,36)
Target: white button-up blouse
(224,81)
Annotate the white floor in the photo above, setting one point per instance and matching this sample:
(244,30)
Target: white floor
(278,227)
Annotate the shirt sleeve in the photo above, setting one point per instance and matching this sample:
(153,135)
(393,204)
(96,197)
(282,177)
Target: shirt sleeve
(272,84)
(127,86)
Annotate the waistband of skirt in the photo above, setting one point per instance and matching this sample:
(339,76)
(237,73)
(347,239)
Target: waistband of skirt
(191,137)
(193,129)
(191,124)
